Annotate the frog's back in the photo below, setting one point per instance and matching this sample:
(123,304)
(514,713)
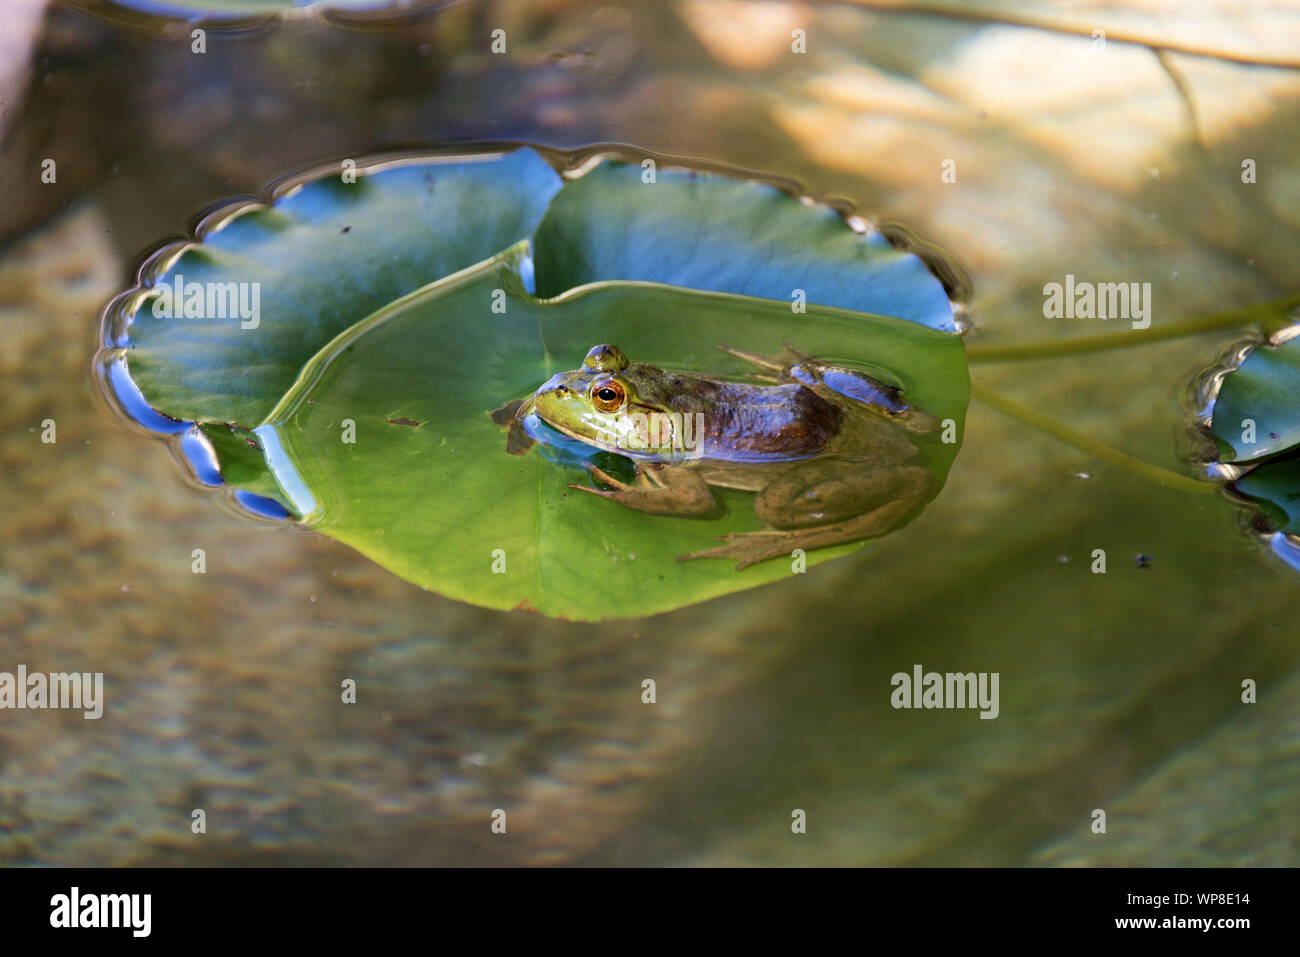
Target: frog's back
(747,423)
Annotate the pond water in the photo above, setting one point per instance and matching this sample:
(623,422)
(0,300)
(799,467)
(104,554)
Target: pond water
(1111,150)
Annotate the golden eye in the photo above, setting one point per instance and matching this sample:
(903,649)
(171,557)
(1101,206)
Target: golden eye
(607,395)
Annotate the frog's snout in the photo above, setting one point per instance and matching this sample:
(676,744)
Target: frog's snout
(557,386)
(555,396)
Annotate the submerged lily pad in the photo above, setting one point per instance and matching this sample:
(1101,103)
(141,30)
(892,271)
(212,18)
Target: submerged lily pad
(1257,411)
(1255,424)
(397,311)
(1275,488)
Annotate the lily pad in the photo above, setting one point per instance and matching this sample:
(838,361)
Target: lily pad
(728,235)
(1254,420)
(425,488)
(1257,411)
(324,255)
(1275,488)
(398,310)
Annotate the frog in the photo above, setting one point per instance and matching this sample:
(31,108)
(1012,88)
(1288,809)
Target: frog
(825,448)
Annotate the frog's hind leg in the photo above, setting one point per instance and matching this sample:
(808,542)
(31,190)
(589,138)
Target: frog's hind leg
(754,547)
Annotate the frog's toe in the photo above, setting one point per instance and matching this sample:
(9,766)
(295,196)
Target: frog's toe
(601,475)
(507,413)
(595,491)
(754,358)
(750,547)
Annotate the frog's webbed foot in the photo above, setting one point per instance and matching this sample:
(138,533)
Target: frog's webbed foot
(506,414)
(657,489)
(749,547)
(518,441)
(754,547)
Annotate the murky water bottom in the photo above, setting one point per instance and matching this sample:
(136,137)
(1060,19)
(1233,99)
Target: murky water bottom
(1119,691)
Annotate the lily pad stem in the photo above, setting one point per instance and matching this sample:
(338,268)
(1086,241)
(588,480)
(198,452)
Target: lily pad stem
(1086,443)
(1272,315)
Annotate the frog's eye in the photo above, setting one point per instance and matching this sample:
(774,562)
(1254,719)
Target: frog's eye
(607,395)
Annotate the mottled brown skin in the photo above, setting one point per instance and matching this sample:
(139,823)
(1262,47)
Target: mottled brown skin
(826,468)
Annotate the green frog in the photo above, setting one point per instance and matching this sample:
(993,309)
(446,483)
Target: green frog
(825,448)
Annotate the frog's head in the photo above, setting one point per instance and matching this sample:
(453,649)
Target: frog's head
(609,402)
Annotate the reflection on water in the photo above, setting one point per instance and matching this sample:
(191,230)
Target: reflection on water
(1119,690)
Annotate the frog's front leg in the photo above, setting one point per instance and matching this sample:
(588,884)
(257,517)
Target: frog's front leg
(658,489)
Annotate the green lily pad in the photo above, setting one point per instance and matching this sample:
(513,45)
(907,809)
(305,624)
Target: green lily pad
(1254,421)
(1257,411)
(1275,488)
(242,460)
(727,235)
(380,315)
(324,256)
(426,488)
